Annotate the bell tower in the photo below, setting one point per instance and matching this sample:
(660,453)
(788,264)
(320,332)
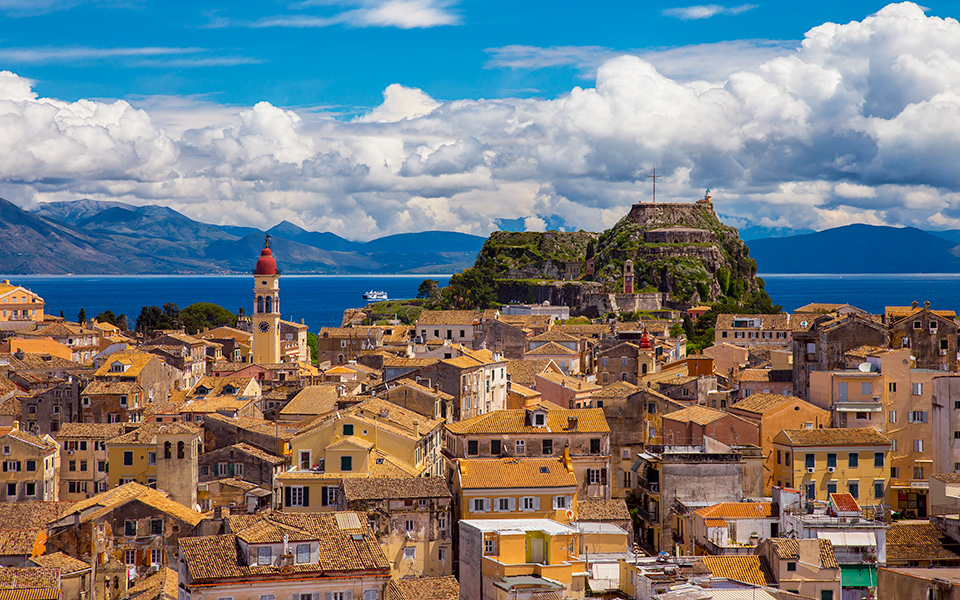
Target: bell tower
(266,308)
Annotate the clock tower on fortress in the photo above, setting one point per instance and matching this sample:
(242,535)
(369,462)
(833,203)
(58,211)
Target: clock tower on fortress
(266,308)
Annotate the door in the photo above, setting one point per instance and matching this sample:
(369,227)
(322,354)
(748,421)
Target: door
(536,550)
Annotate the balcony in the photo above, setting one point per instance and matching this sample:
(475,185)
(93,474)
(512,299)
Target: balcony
(651,487)
(650,516)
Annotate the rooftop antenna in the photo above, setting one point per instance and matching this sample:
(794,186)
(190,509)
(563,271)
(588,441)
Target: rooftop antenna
(654,177)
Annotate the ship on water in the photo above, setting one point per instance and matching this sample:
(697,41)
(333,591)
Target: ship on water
(375,296)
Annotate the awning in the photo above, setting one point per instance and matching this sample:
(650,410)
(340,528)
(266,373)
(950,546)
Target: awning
(855,576)
(870,408)
(849,538)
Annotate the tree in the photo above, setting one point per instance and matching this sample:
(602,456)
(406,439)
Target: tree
(200,315)
(106,316)
(61,314)
(313,342)
(428,288)
(473,288)
(82,315)
(153,317)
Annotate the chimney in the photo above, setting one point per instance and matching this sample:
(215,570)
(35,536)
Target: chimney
(571,422)
(926,305)
(915,304)
(416,427)
(809,550)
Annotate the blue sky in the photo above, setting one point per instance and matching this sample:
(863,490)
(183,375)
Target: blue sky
(370,117)
(243,52)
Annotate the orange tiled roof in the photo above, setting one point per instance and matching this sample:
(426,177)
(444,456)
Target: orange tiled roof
(738,510)
(497,473)
(747,568)
(787,549)
(701,415)
(588,420)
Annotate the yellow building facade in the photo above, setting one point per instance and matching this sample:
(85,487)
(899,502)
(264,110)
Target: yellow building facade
(375,438)
(17,303)
(820,462)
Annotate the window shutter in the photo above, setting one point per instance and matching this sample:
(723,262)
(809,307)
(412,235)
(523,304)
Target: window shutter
(536,503)
(324,497)
(512,504)
(306,496)
(603,476)
(4,466)
(555,502)
(286,497)
(315,596)
(329,596)
(570,502)
(496,505)
(348,595)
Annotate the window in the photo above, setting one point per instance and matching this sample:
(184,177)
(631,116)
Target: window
(918,324)
(496,447)
(264,557)
(504,504)
(862,416)
(346,463)
(779,457)
(408,525)
(521,447)
(12,489)
(130,557)
(530,502)
(918,389)
(944,344)
(810,461)
(268,597)
(297,495)
(892,386)
(918,445)
(811,491)
(791,566)
(129,528)
(222,469)
(918,473)
(348,429)
(156,527)
(539,419)
(410,554)
(594,445)
(895,471)
(854,488)
(893,416)
(787,458)
(303,553)
(917,416)
(489,546)
(151,458)
(832,460)
(156,556)
(832,487)
(478,505)
(826,594)
(72,465)
(102,466)
(83,465)
(128,458)
(473,447)
(878,489)
(442,523)
(878,459)
(547,446)
(853,460)
(442,555)
(866,388)
(181,447)
(595,476)
(560,502)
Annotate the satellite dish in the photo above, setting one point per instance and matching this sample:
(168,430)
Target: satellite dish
(865,367)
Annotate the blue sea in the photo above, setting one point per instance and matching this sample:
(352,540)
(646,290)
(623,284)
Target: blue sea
(321,299)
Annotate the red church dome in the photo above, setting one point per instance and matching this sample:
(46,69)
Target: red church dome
(645,340)
(266,264)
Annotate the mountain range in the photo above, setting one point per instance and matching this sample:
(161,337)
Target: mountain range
(860,249)
(97,237)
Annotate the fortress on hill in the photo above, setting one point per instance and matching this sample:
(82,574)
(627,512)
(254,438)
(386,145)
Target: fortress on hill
(658,255)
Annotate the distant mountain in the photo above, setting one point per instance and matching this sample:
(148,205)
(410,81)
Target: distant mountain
(322,240)
(756,232)
(77,210)
(91,236)
(427,241)
(949,234)
(858,249)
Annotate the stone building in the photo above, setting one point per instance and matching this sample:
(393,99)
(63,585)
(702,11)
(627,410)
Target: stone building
(931,336)
(244,462)
(338,345)
(412,519)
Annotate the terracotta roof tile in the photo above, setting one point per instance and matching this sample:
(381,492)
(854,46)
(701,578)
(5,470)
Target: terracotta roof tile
(551,349)
(919,541)
(424,588)
(524,371)
(378,488)
(619,389)
(852,436)
(748,569)
(701,415)
(162,585)
(106,502)
(29,578)
(602,509)
(89,431)
(448,317)
(787,549)
(490,473)
(762,403)
(588,420)
(738,510)
(947,477)
(845,502)
(59,560)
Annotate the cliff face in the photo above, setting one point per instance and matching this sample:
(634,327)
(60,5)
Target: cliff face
(682,250)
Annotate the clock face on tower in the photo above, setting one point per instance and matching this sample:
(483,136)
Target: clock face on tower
(264,326)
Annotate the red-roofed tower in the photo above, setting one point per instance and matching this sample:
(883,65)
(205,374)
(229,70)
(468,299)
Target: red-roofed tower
(266,308)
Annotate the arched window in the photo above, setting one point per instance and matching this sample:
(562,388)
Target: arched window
(269,304)
(180,449)
(166,449)
(259,304)
(643,368)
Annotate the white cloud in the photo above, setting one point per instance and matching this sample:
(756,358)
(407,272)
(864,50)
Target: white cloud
(859,122)
(402,14)
(705,11)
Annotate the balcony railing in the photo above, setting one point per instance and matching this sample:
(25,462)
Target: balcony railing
(652,487)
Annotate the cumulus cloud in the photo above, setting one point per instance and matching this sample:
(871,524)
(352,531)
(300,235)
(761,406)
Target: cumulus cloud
(705,11)
(858,122)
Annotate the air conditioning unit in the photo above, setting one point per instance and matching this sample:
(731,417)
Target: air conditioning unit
(831,469)
(943,353)
(70,452)
(810,469)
